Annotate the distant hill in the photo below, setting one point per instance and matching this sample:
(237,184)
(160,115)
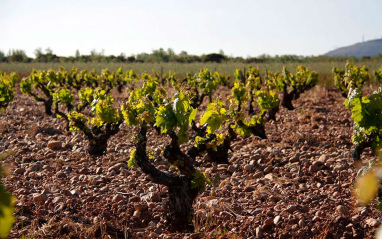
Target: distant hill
(368,48)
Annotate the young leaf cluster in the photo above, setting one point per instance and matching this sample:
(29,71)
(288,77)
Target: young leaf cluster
(292,85)
(7,203)
(367,117)
(378,75)
(54,87)
(351,77)
(7,88)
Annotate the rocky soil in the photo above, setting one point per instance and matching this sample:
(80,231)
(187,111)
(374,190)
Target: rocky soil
(295,184)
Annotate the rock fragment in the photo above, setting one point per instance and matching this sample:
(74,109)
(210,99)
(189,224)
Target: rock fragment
(54,144)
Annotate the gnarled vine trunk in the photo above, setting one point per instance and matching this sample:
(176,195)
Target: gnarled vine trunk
(98,145)
(48,106)
(182,198)
(97,138)
(287,99)
(182,194)
(272,113)
(257,129)
(220,155)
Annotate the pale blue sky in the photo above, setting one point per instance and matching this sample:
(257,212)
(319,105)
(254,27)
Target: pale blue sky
(239,28)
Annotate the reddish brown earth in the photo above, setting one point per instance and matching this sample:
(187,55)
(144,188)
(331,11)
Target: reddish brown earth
(295,184)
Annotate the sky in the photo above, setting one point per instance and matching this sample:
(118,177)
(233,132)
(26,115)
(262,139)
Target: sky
(246,28)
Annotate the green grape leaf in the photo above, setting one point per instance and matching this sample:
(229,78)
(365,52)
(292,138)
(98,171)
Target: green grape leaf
(7,202)
(165,118)
(132,162)
(214,116)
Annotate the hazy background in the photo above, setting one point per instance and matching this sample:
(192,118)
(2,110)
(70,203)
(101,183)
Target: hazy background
(239,28)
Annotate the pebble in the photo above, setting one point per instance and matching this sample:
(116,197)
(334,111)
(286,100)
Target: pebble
(84,171)
(342,209)
(57,199)
(313,169)
(258,175)
(276,219)
(117,167)
(268,222)
(257,211)
(117,198)
(291,208)
(301,223)
(373,222)
(75,192)
(155,197)
(153,235)
(320,213)
(141,207)
(66,192)
(248,167)
(274,198)
(268,169)
(104,189)
(35,167)
(59,207)
(323,158)
(60,174)
(99,170)
(294,159)
(249,189)
(151,205)
(19,171)
(259,232)
(54,144)
(39,197)
(135,199)
(231,169)
(137,214)
(318,163)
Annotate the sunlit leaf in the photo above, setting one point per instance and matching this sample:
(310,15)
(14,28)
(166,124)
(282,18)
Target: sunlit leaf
(366,187)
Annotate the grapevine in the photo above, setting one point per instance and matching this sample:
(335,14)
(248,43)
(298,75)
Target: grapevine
(351,76)
(7,85)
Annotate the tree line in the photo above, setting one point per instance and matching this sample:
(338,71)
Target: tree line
(160,55)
